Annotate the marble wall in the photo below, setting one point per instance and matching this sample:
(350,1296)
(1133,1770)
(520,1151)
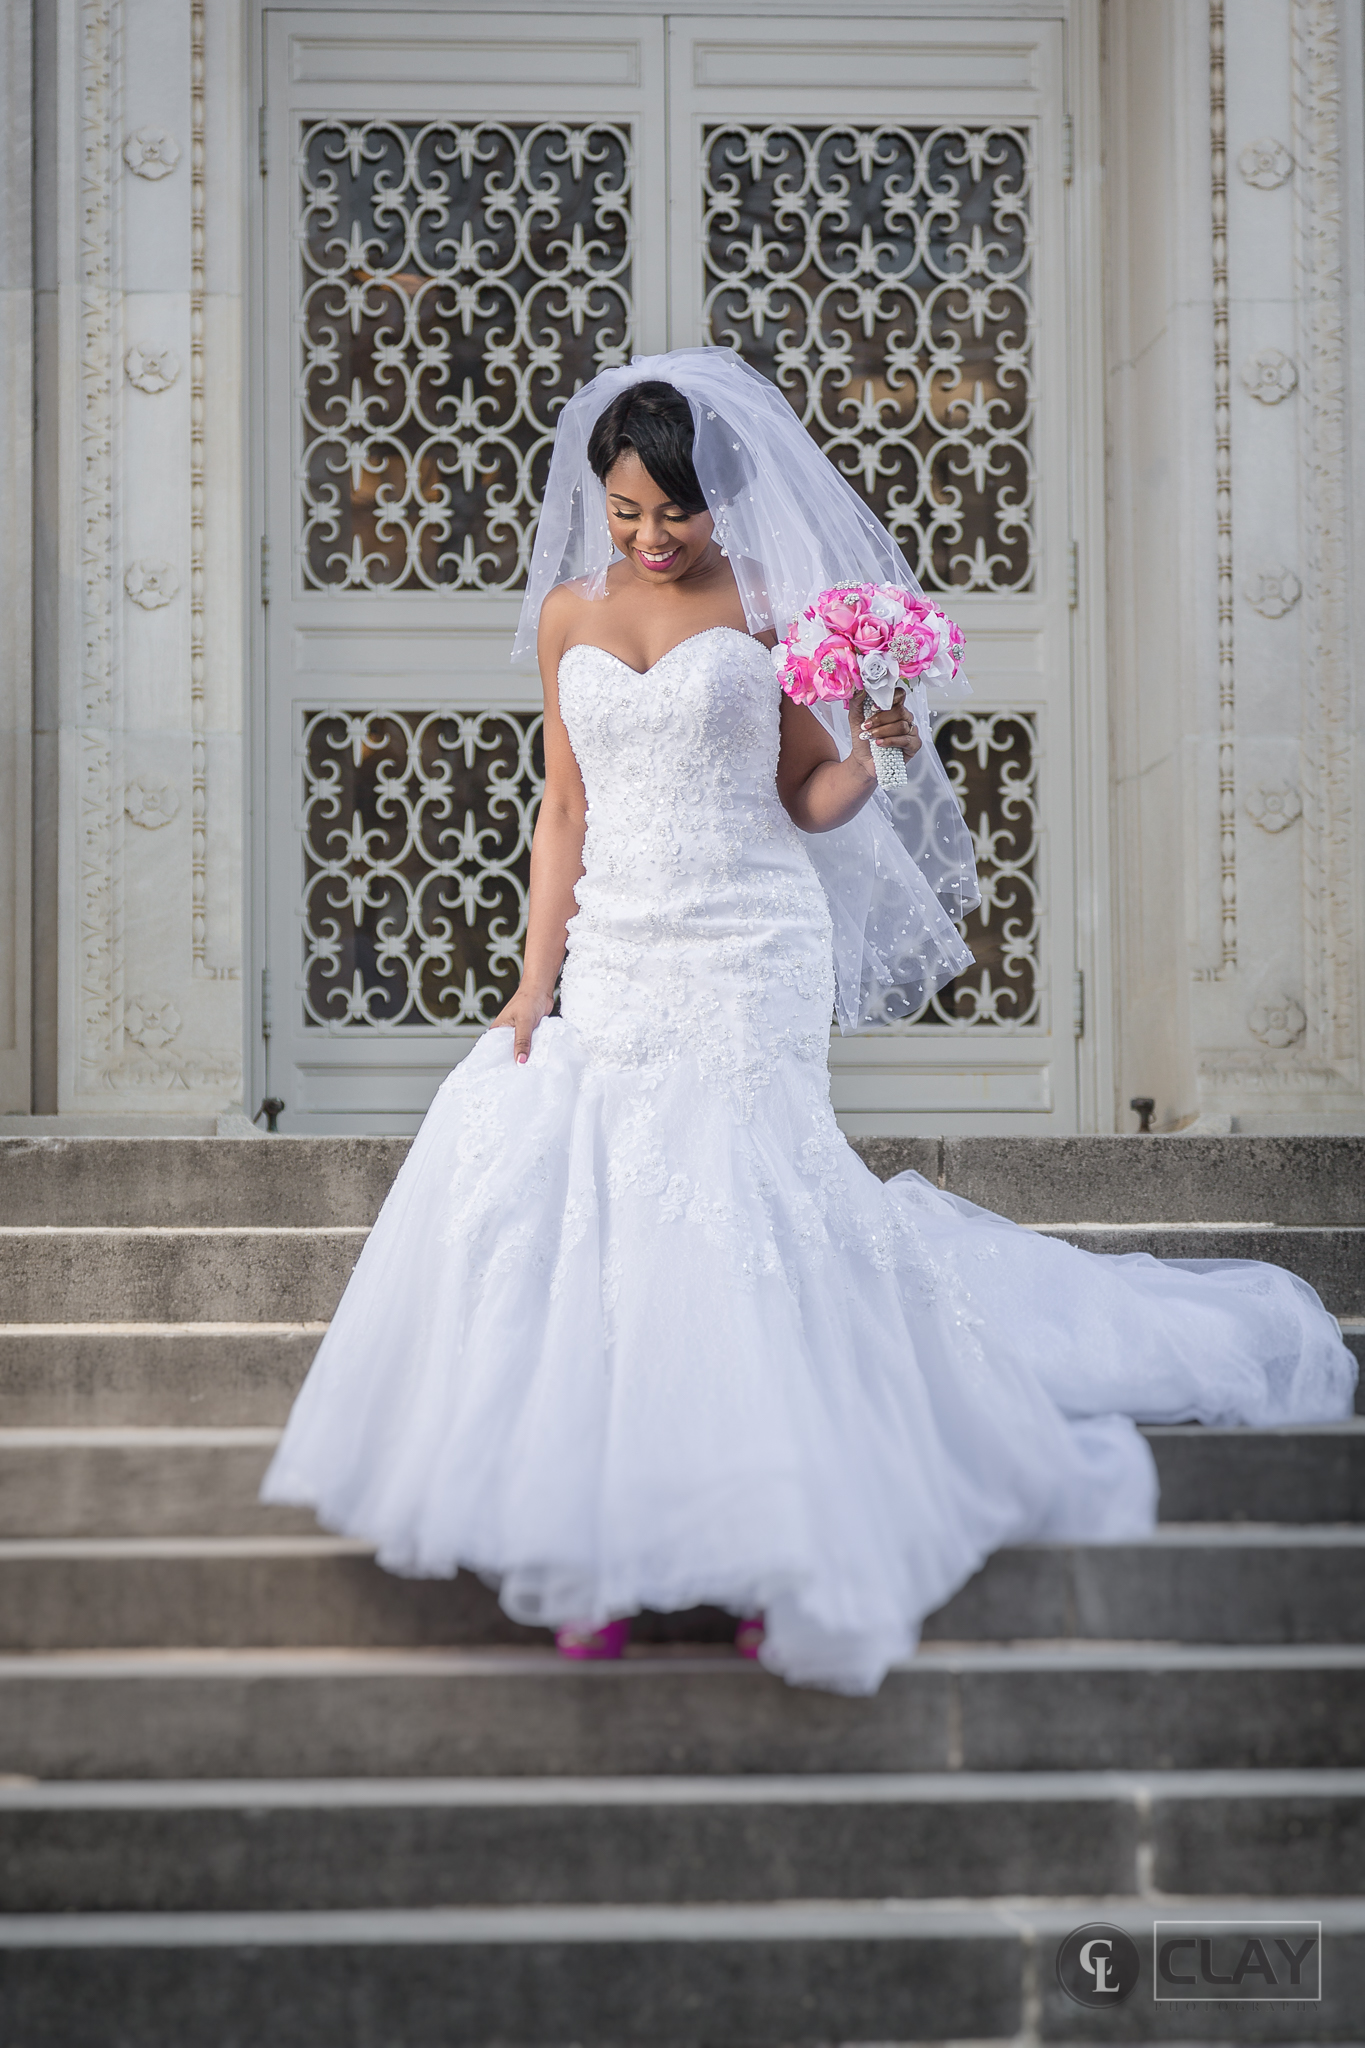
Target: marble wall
(1234,339)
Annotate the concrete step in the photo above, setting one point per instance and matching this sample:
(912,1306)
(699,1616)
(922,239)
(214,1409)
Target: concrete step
(50,1274)
(1192,1583)
(222,1375)
(527,1713)
(1330,1259)
(351,1844)
(746,1976)
(1353,1332)
(171,1482)
(182,1181)
(169,1275)
(1291,1180)
(140,1482)
(1300,1474)
(94,1375)
(333,1181)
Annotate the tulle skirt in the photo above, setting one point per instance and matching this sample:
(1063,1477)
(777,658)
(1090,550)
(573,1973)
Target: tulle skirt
(614,1345)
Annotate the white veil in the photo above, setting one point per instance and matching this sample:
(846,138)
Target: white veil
(901,873)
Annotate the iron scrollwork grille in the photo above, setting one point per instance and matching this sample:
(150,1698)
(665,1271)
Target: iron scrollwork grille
(882,276)
(992,759)
(459,282)
(417,858)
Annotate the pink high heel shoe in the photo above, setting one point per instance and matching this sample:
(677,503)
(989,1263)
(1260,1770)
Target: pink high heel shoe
(749,1635)
(593,1645)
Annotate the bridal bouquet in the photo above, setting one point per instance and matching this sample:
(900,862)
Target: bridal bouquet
(872,637)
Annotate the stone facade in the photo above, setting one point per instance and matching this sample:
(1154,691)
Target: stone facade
(1221,141)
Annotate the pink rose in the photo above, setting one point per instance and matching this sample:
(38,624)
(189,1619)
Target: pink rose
(840,609)
(870,633)
(921,647)
(835,669)
(798,679)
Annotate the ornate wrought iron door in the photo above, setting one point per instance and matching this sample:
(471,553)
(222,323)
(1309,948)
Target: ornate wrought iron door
(467,216)
(455,216)
(871,212)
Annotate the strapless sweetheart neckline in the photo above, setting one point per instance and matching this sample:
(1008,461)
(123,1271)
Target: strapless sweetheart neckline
(641,673)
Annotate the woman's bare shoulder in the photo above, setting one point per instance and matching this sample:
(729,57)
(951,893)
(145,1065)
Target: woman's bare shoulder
(564,600)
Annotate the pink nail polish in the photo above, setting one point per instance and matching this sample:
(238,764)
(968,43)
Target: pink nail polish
(521,1059)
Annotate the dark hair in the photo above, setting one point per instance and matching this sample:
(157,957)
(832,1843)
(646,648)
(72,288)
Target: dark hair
(656,421)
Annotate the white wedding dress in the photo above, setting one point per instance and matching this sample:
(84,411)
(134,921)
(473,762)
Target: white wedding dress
(636,1328)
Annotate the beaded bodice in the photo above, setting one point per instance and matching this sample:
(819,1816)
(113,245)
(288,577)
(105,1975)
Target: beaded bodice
(702,929)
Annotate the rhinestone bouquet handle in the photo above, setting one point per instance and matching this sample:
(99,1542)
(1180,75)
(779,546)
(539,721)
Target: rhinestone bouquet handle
(889,762)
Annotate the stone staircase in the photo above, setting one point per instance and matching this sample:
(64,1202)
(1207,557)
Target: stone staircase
(257,1794)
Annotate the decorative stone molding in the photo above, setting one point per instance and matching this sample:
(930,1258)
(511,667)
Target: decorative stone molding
(1222,464)
(151,152)
(151,584)
(1273,592)
(1270,375)
(1331,919)
(1265,163)
(1274,809)
(151,368)
(201,963)
(121,1047)
(1278,1023)
(98,920)
(151,1021)
(151,806)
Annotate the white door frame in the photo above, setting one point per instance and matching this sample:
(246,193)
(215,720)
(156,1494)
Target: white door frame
(1077,25)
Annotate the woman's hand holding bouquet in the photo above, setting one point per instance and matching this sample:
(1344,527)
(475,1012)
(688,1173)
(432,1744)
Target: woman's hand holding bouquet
(872,638)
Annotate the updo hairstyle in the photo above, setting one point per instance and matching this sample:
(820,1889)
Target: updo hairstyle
(656,421)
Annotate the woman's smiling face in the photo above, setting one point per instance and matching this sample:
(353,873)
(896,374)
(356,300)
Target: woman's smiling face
(659,540)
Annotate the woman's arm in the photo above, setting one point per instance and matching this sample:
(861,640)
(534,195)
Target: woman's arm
(818,789)
(556,849)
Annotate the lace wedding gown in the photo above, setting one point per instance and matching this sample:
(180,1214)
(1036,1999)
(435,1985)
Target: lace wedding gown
(636,1328)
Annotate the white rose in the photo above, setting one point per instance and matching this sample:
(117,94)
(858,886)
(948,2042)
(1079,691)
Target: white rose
(880,677)
(883,607)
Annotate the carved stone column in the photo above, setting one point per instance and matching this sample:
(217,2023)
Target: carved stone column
(16,564)
(141,643)
(1238,902)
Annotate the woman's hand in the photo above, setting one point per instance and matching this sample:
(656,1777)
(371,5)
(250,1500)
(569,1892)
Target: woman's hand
(893,728)
(522,1014)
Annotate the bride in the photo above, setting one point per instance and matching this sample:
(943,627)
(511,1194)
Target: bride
(635,1328)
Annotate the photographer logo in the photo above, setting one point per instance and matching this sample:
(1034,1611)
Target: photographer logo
(1098,1965)
(1237,1962)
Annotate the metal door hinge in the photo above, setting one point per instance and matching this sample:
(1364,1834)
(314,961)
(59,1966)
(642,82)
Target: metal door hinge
(267,1020)
(1078,1003)
(265,568)
(1068,149)
(1073,576)
(260,136)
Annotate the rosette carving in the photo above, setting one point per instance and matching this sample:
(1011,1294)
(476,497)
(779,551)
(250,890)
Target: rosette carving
(1265,163)
(1273,592)
(151,152)
(1270,375)
(151,584)
(1278,1023)
(150,368)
